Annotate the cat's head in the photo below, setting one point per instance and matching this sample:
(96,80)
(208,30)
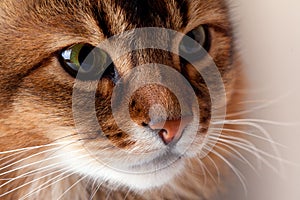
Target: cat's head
(131,111)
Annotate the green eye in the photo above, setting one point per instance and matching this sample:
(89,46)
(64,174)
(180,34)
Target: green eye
(85,60)
(192,46)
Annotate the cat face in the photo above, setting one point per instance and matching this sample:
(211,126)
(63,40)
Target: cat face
(145,113)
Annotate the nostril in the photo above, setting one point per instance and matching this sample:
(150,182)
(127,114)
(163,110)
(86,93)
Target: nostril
(164,135)
(144,124)
(171,130)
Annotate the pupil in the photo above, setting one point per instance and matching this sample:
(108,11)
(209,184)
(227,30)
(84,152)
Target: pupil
(191,35)
(84,52)
(86,58)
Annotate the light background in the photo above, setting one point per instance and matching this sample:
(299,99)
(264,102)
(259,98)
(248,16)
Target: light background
(268,33)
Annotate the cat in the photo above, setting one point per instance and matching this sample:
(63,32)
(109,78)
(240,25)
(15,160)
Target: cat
(102,99)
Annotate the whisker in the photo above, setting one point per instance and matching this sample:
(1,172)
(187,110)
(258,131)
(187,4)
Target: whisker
(95,191)
(207,170)
(27,183)
(234,169)
(44,185)
(233,139)
(13,158)
(37,162)
(108,194)
(81,133)
(32,173)
(24,159)
(201,164)
(36,154)
(254,101)
(31,148)
(227,151)
(253,151)
(9,163)
(39,170)
(40,188)
(42,169)
(263,131)
(48,183)
(126,195)
(215,166)
(242,158)
(72,186)
(92,186)
(265,105)
(249,134)
(263,121)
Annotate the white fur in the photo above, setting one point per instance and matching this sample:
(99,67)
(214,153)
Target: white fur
(145,174)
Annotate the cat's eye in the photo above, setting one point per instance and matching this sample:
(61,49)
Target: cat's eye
(195,44)
(85,59)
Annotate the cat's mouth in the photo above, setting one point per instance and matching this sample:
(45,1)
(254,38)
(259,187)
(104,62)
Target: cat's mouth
(149,154)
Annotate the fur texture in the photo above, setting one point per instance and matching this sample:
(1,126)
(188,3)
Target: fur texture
(53,159)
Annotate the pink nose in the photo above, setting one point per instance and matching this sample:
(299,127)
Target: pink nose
(171,130)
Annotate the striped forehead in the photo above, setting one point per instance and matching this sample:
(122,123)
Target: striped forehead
(115,16)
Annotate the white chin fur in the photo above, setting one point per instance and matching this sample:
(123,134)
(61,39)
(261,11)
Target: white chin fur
(88,166)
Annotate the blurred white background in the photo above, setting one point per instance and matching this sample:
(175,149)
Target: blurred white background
(268,33)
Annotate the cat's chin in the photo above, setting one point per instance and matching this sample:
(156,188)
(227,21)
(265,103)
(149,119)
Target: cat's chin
(147,180)
(145,176)
(139,177)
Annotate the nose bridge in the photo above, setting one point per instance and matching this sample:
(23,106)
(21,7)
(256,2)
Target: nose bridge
(151,55)
(154,103)
(151,45)
(142,46)
(154,58)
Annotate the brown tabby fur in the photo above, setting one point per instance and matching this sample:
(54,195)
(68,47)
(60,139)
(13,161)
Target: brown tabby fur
(36,93)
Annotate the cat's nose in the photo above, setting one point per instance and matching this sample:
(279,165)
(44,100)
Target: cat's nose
(171,130)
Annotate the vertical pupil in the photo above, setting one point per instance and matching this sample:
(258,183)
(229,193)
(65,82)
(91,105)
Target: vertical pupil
(191,35)
(83,54)
(86,58)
